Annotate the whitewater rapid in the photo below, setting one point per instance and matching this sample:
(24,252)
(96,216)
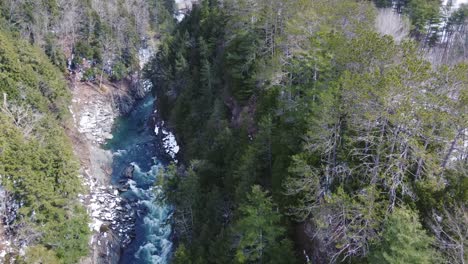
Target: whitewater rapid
(135,145)
(155,230)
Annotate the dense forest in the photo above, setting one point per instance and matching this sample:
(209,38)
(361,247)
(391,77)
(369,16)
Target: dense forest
(313,133)
(37,165)
(105,34)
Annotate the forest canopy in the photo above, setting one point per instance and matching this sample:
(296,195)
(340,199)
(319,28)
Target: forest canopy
(308,134)
(312,131)
(37,165)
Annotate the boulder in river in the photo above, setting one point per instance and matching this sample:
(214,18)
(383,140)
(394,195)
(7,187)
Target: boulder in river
(128,173)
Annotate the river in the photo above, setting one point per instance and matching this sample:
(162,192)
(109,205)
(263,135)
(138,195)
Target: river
(134,143)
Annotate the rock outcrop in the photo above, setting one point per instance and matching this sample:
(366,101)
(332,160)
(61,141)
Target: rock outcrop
(93,111)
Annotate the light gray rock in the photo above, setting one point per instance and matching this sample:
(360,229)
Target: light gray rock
(96,119)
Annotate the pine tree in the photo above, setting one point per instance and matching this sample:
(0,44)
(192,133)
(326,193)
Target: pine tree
(181,256)
(259,231)
(403,240)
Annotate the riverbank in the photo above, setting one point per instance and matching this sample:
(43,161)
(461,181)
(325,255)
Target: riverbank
(94,111)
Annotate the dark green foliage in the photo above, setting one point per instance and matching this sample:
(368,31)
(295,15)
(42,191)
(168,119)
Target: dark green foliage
(383,3)
(84,50)
(37,165)
(119,71)
(200,86)
(26,76)
(424,14)
(425,17)
(54,52)
(181,256)
(341,125)
(161,14)
(258,231)
(403,241)
(89,75)
(240,59)
(40,254)
(69,236)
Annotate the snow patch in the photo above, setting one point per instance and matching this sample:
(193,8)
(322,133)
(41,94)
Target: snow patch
(456,3)
(170,145)
(144,55)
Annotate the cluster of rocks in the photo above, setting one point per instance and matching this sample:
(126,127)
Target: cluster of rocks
(109,213)
(112,219)
(94,110)
(95,119)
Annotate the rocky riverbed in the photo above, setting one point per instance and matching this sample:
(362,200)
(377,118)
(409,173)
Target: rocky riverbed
(94,110)
(139,157)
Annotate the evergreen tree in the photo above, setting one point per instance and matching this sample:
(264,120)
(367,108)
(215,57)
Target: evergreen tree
(403,240)
(181,256)
(37,165)
(360,124)
(40,255)
(259,232)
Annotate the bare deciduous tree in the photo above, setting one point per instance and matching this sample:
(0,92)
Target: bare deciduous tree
(389,22)
(451,231)
(23,117)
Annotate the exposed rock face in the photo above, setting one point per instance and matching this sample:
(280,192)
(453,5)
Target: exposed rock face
(93,112)
(111,221)
(128,173)
(124,103)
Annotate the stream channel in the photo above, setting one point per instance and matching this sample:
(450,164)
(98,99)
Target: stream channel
(134,143)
